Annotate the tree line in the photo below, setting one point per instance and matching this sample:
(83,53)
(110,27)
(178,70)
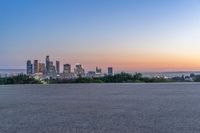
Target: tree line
(117,78)
(19,79)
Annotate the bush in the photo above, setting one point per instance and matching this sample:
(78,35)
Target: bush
(20,79)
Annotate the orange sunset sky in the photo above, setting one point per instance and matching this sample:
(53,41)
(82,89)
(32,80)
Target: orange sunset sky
(139,35)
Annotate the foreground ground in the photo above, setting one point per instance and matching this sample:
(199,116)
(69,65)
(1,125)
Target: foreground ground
(100,108)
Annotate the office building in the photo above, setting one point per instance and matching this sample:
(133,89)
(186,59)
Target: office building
(47,65)
(57,67)
(110,71)
(98,70)
(91,74)
(52,69)
(66,68)
(78,70)
(36,66)
(42,68)
(29,68)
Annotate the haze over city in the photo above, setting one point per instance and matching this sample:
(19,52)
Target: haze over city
(129,35)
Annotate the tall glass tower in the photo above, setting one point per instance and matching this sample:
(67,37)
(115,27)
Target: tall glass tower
(47,65)
(29,68)
(57,67)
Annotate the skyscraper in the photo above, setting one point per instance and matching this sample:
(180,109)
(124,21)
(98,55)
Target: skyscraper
(52,69)
(36,66)
(79,71)
(57,67)
(42,68)
(47,65)
(110,71)
(98,70)
(66,68)
(29,68)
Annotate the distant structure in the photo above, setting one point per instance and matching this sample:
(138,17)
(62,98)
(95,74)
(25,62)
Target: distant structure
(47,65)
(42,68)
(78,70)
(57,67)
(36,66)
(66,68)
(29,68)
(91,74)
(110,71)
(98,70)
(52,69)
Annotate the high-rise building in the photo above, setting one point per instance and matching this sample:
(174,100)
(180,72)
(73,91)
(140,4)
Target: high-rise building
(42,68)
(52,69)
(29,68)
(57,67)
(36,66)
(47,65)
(79,71)
(98,70)
(110,71)
(66,68)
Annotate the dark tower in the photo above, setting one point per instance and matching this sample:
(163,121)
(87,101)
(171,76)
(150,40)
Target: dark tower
(36,66)
(47,65)
(29,68)
(57,67)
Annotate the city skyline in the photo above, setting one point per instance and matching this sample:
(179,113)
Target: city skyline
(44,67)
(138,35)
(51,70)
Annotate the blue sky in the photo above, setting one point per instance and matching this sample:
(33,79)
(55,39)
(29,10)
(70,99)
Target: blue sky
(128,34)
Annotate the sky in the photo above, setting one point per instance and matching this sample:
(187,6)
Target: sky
(129,35)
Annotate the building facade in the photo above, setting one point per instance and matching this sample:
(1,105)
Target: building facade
(98,70)
(66,68)
(29,68)
(78,70)
(47,65)
(110,71)
(42,68)
(57,67)
(36,66)
(52,69)
(91,74)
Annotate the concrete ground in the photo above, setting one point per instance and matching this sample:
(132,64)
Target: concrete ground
(100,108)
